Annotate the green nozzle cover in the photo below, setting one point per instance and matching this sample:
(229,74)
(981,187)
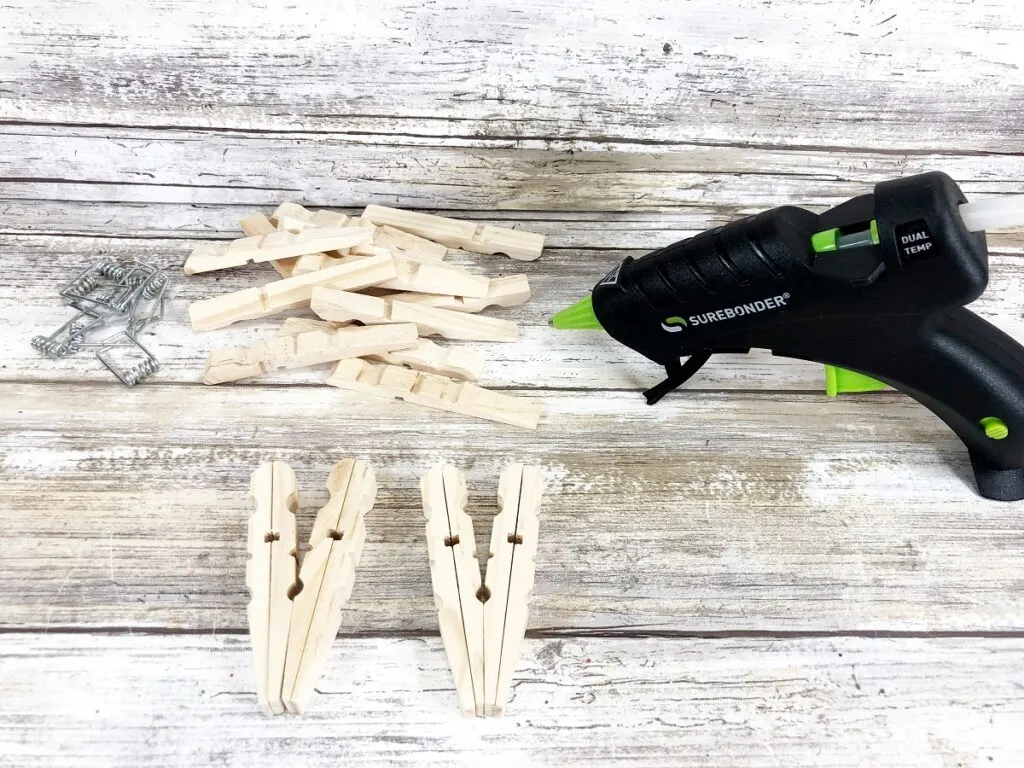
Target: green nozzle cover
(579,317)
(841,380)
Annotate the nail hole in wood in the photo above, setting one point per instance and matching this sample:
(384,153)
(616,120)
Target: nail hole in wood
(451,541)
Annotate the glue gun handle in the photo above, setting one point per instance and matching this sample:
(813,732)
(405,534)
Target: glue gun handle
(971,375)
(962,368)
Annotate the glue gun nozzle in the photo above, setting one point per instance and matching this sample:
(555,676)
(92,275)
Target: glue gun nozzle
(579,317)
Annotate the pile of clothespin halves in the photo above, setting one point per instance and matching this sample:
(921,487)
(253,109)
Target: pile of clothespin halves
(115,303)
(295,613)
(378,284)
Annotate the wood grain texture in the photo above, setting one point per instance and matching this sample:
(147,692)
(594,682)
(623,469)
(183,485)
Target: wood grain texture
(850,702)
(761,73)
(262,169)
(770,512)
(646,230)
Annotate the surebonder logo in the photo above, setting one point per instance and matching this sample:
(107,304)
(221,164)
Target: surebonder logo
(675,324)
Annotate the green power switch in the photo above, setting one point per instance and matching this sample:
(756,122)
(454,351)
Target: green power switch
(995,428)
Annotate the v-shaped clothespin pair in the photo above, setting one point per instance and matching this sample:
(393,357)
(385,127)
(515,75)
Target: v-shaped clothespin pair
(482,625)
(295,614)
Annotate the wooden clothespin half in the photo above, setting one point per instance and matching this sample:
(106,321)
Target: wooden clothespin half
(314,262)
(508,291)
(406,244)
(421,355)
(354,273)
(270,576)
(327,577)
(342,306)
(426,356)
(468,235)
(482,626)
(279,244)
(434,391)
(455,575)
(509,579)
(305,349)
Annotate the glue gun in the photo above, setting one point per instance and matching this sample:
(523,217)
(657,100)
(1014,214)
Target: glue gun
(875,288)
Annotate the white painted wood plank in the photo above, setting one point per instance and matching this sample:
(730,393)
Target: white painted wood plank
(908,73)
(140,165)
(645,230)
(562,229)
(772,512)
(542,357)
(833,702)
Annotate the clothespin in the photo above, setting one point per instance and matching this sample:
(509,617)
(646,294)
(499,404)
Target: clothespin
(277,245)
(294,614)
(327,576)
(441,392)
(306,349)
(482,626)
(341,306)
(353,274)
(455,574)
(509,580)
(508,291)
(469,235)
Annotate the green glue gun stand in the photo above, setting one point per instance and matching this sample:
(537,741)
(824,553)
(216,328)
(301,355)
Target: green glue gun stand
(875,288)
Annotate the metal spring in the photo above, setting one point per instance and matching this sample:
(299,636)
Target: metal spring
(134,375)
(155,286)
(77,326)
(83,285)
(52,349)
(113,270)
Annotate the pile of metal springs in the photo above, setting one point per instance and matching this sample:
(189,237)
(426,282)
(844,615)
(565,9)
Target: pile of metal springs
(115,303)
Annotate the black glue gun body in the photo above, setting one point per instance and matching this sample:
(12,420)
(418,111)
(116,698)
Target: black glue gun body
(877,285)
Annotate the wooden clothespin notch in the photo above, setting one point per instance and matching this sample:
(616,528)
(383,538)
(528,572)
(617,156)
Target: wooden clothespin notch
(482,624)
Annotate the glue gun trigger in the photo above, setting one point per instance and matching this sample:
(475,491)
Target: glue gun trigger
(678,374)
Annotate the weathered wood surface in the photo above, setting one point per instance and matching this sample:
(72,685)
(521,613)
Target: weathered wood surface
(261,169)
(923,75)
(589,230)
(87,700)
(710,512)
(745,505)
